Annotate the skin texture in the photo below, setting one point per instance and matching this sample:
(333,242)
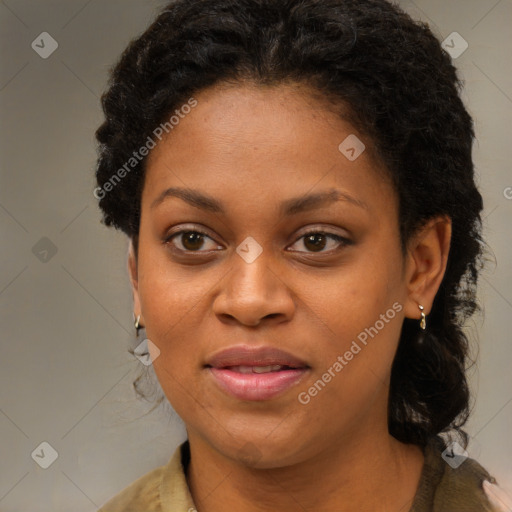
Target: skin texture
(251,148)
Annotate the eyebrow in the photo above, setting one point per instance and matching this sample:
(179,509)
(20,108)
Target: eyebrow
(289,207)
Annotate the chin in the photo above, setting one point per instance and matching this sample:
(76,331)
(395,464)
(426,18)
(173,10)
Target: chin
(261,451)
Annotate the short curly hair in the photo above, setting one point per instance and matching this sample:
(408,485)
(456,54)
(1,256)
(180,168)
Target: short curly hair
(397,86)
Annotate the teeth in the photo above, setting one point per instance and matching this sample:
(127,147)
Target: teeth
(266,369)
(257,369)
(242,369)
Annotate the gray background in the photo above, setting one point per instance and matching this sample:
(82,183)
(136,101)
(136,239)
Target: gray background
(66,322)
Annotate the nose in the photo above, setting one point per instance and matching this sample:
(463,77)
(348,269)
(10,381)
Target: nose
(254,292)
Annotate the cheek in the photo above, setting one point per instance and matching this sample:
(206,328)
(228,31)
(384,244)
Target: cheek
(355,297)
(356,353)
(171,324)
(167,293)
(171,317)
(361,313)
(168,302)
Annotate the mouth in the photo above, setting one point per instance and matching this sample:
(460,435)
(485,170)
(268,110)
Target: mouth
(256,373)
(247,370)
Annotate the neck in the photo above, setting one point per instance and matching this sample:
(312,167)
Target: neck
(375,473)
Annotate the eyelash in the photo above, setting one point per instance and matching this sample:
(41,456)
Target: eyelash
(341,240)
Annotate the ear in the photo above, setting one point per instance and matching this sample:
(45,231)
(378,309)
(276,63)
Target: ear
(134,280)
(427,257)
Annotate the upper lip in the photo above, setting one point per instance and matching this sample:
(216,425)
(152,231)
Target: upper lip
(243,355)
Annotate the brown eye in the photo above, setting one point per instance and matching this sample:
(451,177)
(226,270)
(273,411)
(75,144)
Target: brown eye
(316,241)
(190,241)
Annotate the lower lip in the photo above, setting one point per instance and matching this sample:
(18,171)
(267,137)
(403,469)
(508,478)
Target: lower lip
(256,386)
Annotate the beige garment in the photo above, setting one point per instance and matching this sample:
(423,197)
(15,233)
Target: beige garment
(441,487)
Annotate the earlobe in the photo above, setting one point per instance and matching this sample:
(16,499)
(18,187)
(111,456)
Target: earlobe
(427,258)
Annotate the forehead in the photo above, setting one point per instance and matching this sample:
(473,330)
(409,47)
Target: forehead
(272,141)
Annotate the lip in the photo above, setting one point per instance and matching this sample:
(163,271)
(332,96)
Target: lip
(244,355)
(223,367)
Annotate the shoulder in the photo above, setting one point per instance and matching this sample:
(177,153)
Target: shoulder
(463,488)
(162,490)
(453,483)
(143,494)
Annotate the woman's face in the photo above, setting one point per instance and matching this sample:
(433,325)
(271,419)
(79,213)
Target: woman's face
(260,266)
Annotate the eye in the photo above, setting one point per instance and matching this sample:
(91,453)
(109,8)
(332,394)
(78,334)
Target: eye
(193,240)
(316,241)
(190,240)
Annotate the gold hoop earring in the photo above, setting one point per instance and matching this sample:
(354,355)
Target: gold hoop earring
(423,321)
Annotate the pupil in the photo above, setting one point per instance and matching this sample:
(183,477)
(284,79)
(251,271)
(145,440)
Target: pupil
(191,238)
(310,238)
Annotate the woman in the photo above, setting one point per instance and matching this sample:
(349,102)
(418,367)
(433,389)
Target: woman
(296,182)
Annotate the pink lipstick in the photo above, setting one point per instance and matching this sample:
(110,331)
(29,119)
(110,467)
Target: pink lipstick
(256,373)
